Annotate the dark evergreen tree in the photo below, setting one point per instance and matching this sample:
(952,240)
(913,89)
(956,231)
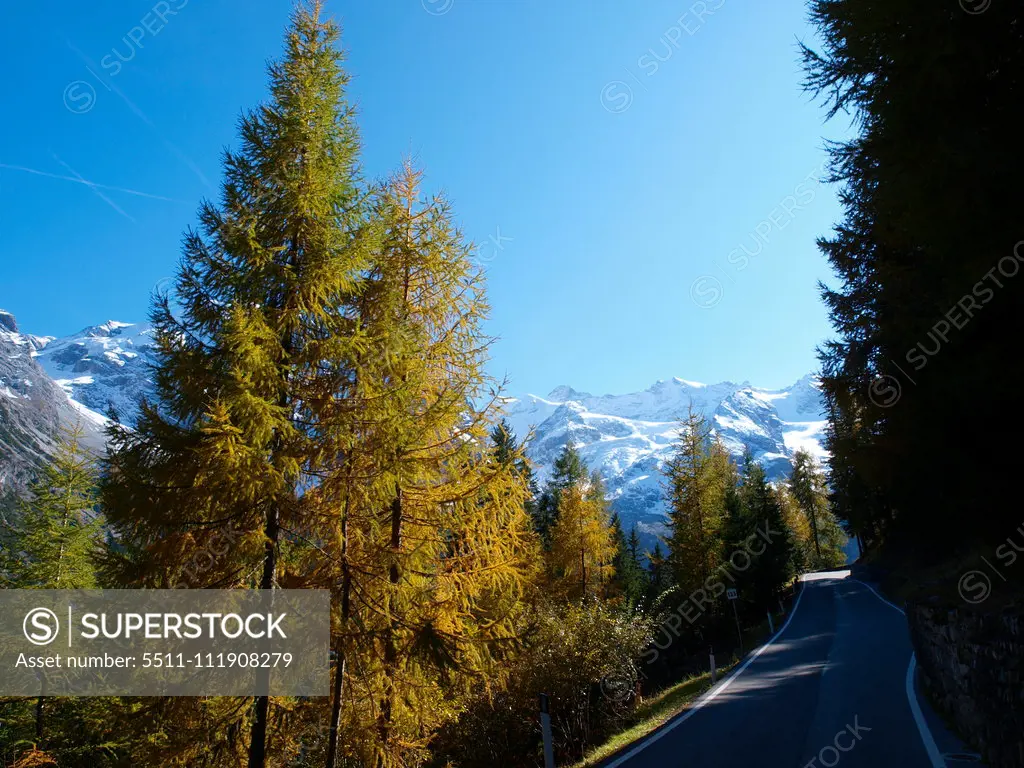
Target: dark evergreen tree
(507,449)
(927,256)
(619,542)
(771,550)
(740,525)
(569,469)
(630,574)
(659,576)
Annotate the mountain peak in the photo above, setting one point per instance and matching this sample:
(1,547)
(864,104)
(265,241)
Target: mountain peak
(109,328)
(564,392)
(7,321)
(626,437)
(629,437)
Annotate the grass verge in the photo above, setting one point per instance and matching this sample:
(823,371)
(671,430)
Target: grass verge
(657,710)
(654,713)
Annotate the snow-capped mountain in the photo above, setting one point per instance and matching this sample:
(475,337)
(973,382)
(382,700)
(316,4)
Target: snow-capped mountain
(101,367)
(629,437)
(32,409)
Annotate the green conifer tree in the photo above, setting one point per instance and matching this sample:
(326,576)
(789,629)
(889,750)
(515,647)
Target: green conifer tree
(437,554)
(698,475)
(796,521)
(261,350)
(771,551)
(54,546)
(509,451)
(621,556)
(569,469)
(927,221)
(659,576)
(59,533)
(633,576)
(582,544)
(808,487)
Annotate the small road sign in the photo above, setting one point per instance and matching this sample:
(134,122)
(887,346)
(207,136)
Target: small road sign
(731,594)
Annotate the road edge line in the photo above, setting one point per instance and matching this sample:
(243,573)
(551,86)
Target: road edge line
(875,593)
(938,761)
(709,695)
(923,730)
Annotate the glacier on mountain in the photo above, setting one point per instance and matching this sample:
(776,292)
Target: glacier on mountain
(103,367)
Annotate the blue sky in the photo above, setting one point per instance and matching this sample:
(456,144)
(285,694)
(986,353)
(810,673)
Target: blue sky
(640,177)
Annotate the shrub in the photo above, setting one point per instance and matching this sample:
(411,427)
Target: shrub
(585,658)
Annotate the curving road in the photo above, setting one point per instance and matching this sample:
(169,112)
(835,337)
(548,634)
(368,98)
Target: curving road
(833,687)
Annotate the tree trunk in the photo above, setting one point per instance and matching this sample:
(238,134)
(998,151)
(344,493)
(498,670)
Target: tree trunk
(339,671)
(390,646)
(272,532)
(39,720)
(258,741)
(814,532)
(583,560)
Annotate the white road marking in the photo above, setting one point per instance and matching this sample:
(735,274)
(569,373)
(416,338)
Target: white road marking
(930,746)
(926,735)
(891,605)
(709,696)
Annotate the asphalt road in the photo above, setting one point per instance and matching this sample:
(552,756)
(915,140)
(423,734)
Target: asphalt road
(830,690)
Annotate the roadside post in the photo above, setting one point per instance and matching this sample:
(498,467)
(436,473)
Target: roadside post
(545,727)
(771,624)
(714,669)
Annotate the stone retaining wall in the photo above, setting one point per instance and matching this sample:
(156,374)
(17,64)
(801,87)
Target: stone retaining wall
(971,665)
